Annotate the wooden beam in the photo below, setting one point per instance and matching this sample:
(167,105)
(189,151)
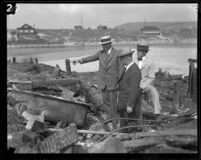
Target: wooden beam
(185,132)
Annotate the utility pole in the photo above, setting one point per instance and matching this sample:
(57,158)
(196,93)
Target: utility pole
(144,21)
(81,22)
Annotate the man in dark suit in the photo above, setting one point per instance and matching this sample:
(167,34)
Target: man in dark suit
(108,75)
(129,88)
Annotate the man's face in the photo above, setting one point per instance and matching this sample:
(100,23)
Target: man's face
(124,60)
(140,54)
(106,46)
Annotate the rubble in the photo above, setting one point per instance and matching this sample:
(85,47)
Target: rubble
(15,122)
(51,132)
(24,142)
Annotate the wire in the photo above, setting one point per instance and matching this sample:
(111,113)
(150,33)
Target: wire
(124,128)
(132,119)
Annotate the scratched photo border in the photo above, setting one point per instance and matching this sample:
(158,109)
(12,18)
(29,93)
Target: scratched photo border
(4,152)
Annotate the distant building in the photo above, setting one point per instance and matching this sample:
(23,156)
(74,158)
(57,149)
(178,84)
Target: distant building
(102,27)
(150,30)
(26,29)
(78,27)
(27,33)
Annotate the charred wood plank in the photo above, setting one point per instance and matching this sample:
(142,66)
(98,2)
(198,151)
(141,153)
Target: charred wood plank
(189,142)
(163,148)
(59,140)
(45,83)
(141,144)
(184,132)
(58,82)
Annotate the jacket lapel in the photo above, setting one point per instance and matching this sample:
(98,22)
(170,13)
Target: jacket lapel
(103,59)
(111,55)
(130,69)
(124,72)
(121,72)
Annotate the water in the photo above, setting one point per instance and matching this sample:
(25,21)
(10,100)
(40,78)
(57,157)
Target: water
(173,59)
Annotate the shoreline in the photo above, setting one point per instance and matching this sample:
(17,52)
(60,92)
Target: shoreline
(28,51)
(94,45)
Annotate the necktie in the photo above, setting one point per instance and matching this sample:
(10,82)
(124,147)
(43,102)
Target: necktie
(139,59)
(107,55)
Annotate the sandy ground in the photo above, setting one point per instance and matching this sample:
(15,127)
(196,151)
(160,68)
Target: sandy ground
(173,59)
(47,54)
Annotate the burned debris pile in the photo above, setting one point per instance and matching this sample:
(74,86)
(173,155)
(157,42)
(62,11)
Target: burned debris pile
(49,112)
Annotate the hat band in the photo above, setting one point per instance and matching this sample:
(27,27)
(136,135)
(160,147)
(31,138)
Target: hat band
(142,49)
(105,40)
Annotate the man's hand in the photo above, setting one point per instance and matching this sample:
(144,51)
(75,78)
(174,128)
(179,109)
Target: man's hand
(129,109)
(142,90)
(76,61)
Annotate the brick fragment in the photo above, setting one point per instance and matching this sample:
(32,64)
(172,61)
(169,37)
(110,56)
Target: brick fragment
(37,126)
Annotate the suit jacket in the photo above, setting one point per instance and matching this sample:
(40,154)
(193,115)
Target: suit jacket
(108,73)
(148,72)
(129,83)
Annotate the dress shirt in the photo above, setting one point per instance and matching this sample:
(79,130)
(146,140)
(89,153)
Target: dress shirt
(109,51)
(140,62)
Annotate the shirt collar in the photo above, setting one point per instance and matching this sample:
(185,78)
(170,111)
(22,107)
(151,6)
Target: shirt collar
(128,66)
(143,58)
(109,50)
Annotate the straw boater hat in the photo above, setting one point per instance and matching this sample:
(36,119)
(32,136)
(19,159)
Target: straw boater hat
(106,39)
(125,52)
(143,47)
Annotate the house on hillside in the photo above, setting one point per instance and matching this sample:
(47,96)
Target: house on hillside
(78,27)
(27,33)
(102,27)
(150,30)
(26,29)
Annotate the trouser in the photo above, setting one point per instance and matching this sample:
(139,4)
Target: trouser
(151,90)
(110,105)
(136,114)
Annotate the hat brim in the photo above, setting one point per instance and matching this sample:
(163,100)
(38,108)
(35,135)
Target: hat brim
(107,42)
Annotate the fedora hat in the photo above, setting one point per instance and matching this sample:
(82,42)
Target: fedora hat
(106,39)
(143,47)
(125,52)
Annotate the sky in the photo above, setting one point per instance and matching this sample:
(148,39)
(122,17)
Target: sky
(66,16)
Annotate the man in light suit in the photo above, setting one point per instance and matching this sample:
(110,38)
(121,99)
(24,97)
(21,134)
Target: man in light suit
(129,102)
(148,75)
(108,75)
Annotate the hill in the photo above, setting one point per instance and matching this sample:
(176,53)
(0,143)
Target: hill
(169,32)
(136,26)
